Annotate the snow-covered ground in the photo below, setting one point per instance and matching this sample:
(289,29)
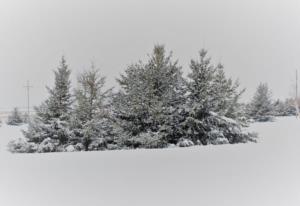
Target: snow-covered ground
(266,174)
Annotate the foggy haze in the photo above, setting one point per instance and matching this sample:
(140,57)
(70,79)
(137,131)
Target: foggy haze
(257,41)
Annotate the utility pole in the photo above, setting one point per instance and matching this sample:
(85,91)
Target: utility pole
(28,86)
(296,96)
(296,85)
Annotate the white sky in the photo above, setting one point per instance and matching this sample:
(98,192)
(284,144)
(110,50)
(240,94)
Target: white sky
(256,40)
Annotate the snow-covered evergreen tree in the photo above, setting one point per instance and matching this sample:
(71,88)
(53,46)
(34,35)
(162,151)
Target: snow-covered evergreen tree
(91,121)
(261,106)
(26,117)
(200,86)
(155,98)
(290,106)
(15,118)
(59,102)
(226,95)
(212,103)
(279,108)
(211,89)
(52,117)
(284,108)
(150,95)
(90,94)
(154,108)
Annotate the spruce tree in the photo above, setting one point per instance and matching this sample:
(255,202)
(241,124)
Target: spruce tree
(284,108)
(52,117)
(279,108)
(200,83)
(261,106)
(150,94)
(91,120)
(212,104)
(59,102)
(200,98)
(15,117)
(226,94)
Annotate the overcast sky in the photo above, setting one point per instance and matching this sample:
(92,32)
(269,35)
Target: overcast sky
(256,40)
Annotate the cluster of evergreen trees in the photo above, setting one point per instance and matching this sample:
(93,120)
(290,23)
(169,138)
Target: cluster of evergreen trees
(264,108)
(16,118)
(155,107)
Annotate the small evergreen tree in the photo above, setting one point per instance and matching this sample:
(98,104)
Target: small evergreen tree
(15,118)
(226,95)
(284,108)
(261,106)
(52,117)
(91,121)
(279,108)
(290,107)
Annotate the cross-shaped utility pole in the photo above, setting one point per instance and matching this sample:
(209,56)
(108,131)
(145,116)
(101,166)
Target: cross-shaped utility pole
(296,85)
(28,86)
(296,96)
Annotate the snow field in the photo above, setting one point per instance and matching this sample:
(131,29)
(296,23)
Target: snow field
(266,173)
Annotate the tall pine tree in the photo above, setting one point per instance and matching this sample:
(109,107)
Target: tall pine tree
(212,102)
(52,117)
(91,120)
(150,94)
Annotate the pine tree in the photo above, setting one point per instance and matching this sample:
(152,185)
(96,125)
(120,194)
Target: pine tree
(261,106)
(211,89)
(212,103)
(284,108)
(52,117)
(226,95)
(92,119)
(59,102)
(90,94)
(290,107)
(200,84)
(150,94)
(15,117)
(200,98)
